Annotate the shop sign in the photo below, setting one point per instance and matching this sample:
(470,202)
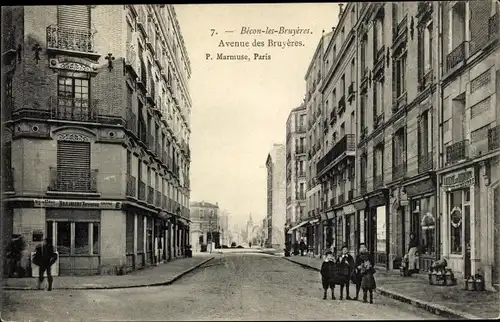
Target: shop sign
(403,198)
(79,204)
(459,180)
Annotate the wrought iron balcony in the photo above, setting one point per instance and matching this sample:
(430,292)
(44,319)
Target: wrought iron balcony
(425,162)
(301,174)
(456,56)
(332,202)
(378,120)
(142,191)
(457,152)
(378,181)
(494,138)
(350,194)
(341,198)
(300,196)
(401,27)
(333,115)
(131,124)
(341,104)
(493,27)
(73,109)
(300,150)
(73,180)
(131,186)
(398,171)
(151,195)
(362,187)
(8,177)
(346,144)
(70,39)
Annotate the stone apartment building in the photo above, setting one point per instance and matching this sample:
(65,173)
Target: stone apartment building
(315,116)
(296,163)
(96,114)
(276,196)
(426,125)
(206,224)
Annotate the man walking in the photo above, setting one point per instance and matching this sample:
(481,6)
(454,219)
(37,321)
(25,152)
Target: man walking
(44,258)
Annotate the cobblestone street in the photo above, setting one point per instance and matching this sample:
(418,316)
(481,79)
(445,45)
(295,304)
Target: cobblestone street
(229,287)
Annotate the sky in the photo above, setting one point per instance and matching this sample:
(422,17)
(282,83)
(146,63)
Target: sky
(240,108)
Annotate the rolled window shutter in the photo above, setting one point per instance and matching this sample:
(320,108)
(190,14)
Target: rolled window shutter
(74,17)
(480,12)
(73,164)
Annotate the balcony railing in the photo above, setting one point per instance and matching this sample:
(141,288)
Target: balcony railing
(342,104)
(151,195)
(379,120)
(493,27)
(494,138)
(399,171)
(64,38)
(362,187)
(456,56)
(350,194)
(300,196)
(131,186)
(142,191)
(300,129)
(350,90)
(341,198)
(457,151)
(73,109)
(347,143)
(301,174)
(378,181)
(8,177)
(425,162)
(73,180)
(401,27)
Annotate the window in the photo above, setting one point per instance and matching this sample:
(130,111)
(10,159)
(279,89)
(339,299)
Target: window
(75,238)
(378,159)
(342,85)
(456,218)
(401,75)
(363,54)
(428,48)
(362,112)
(399,147)
(73,92)
(353,71)
(353,16)
(457,33)
(342,130)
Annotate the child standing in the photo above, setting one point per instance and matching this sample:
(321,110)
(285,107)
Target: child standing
(364,264)
(328,271)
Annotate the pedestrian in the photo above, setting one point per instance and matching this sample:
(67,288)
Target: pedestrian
(345,264)
(413,254)
(364,265)
(44,258)
(302,247)
(328,272)
(295,248)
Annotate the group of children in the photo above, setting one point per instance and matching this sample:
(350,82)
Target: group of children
(344,269)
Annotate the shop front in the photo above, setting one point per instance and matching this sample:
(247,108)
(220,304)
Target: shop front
(398,203)
(420,201)
(376,226)
(360,206)
(458,229)
(351,229)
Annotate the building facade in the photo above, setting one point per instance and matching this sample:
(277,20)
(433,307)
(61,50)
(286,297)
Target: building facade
(296,165)
(315,114)
(224,228)
(276,196)
(335,169)
(96,113)
(205,224)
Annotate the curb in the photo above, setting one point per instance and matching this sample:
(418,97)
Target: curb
(430,307)
(105,287)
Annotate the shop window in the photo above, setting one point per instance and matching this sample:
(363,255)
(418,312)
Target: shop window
(81,238)
(455,203)
(96,229)
(425,212)
(63,237)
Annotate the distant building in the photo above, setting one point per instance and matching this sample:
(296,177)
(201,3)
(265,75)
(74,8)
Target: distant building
(224,228)
(205,226)
(276,196)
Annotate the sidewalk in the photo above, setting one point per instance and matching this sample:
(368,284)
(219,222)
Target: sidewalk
(164,274)
(449,301)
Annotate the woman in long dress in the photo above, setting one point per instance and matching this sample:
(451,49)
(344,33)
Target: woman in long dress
(413,254)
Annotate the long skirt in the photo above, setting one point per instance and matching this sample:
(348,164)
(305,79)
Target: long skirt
(412,258)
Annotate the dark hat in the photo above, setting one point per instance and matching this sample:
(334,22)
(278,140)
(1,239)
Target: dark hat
(344,246)
(328,252)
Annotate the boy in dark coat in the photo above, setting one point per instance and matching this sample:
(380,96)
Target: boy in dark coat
(328,272)
(45,257)
(364,266)
(345,264)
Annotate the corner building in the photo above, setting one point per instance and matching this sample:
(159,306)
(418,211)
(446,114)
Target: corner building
(96,115)
(296,184)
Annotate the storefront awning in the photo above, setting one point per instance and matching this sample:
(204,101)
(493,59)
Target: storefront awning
(359,204)
(330,214)
(324,216)
(313,221)
(297,226)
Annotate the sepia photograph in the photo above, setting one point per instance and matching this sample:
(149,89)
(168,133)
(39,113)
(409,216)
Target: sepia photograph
(250,161)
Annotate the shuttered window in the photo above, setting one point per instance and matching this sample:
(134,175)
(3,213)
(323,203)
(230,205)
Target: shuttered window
(73,166)
(74,17)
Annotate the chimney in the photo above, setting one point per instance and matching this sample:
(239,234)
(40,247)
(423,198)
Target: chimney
(340,10)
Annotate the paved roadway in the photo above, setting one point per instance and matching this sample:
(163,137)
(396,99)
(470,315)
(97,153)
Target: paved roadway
(233,286)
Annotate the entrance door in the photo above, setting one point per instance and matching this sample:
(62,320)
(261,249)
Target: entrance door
(467,257)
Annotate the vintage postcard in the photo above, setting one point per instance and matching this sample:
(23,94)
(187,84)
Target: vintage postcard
(291,161)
